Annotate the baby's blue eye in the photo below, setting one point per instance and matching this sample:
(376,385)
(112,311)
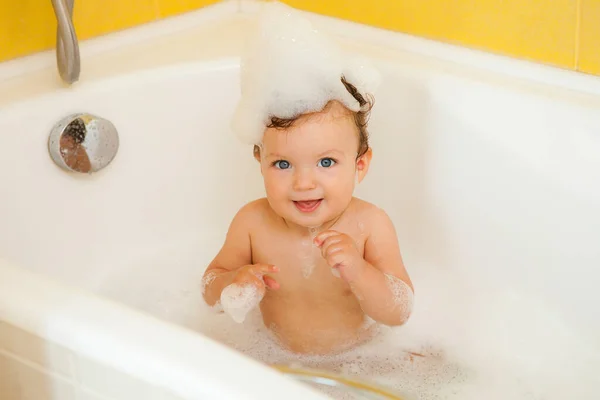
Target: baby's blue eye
(326,162)
(281,164)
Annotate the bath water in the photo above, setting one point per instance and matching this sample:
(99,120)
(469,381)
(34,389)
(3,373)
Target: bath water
(469,343)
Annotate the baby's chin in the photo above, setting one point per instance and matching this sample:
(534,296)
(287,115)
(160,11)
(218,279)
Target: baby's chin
(313,220)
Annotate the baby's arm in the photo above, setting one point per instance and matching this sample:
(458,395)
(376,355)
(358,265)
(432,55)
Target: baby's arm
(383,286)
(378,279)
(235,254)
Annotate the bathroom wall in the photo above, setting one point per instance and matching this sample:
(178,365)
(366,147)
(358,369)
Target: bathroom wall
(28,26)
(563,33)
(589,37)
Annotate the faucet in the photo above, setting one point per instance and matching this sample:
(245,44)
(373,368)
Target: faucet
(67,47)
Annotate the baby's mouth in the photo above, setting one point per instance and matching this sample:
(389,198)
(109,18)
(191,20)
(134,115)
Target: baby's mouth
(308,206)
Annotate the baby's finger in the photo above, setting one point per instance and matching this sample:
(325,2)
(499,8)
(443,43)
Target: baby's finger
(261,269)
(331,244)
(270,282)
(321,237)
(249,278)
(258,281)
(336,260)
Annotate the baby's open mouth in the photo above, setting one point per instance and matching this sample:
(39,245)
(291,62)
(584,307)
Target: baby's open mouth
(307,206)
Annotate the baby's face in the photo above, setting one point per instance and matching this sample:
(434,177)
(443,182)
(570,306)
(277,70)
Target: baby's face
(310,169)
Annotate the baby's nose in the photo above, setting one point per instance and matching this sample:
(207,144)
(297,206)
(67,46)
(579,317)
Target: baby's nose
(304,179)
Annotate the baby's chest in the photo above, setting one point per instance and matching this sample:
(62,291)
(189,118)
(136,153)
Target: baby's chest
(295,259)
(298,259)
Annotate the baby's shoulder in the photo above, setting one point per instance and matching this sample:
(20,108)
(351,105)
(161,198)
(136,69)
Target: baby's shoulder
(366,209)
(256,209)
(251,218)
(370,215)
(248,217)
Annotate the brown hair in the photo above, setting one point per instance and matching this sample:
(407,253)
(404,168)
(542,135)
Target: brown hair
(361,118)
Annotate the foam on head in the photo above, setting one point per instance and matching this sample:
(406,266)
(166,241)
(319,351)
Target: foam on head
(290,69)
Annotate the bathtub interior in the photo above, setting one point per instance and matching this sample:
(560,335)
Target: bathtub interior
(44,355)
(492,189)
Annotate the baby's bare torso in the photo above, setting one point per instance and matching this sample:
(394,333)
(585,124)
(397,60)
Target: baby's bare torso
(313,311)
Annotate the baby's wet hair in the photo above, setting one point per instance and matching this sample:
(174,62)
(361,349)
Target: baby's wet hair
(361,119)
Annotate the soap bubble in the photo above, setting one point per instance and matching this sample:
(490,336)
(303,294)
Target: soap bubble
(290,68)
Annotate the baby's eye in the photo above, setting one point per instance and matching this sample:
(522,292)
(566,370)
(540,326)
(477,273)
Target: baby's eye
(281,164)
(326,162)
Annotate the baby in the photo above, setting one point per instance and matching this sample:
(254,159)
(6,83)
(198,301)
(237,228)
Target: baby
(321,263)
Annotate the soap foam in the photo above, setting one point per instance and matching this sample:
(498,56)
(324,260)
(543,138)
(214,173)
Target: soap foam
(290,68)
(311,253)
(207,280)
(307,257)
(470,342)
(403,296)
(238,300)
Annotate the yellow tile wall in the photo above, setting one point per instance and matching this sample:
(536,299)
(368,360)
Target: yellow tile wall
(589,41)
(540,30)
(563,33)
(28,26)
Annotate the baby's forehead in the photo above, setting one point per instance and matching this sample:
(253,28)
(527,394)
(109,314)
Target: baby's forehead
(333,118)
(333,110)
(313,132)
(300,143)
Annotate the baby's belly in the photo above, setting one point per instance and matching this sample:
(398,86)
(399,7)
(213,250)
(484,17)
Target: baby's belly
(315,326)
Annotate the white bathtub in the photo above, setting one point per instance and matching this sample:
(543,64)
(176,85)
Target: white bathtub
(490,169)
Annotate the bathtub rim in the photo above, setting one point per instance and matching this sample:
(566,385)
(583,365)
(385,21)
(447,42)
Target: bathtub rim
(34,306)
(200,67)
(132,77)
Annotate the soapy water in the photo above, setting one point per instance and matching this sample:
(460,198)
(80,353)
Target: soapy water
(462,342)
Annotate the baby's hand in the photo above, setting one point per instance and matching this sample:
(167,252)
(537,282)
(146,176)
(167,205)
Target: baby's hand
(256,274)
(247,290)
(341,253)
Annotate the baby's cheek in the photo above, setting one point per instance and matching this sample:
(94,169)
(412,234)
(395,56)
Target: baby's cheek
(275,187)
(345,185)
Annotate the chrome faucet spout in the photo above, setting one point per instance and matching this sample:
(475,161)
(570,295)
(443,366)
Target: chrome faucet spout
(67,47)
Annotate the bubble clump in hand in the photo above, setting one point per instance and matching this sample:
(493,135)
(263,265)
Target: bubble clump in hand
(238,300)
(290,68)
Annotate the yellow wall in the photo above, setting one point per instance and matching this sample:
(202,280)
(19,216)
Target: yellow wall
(589,42)
(564,33)
(27,26)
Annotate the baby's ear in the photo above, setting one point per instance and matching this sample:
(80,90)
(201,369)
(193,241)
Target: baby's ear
(362,164)
(256,153)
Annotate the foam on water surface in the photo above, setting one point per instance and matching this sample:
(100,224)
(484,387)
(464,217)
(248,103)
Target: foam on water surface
(468,342)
